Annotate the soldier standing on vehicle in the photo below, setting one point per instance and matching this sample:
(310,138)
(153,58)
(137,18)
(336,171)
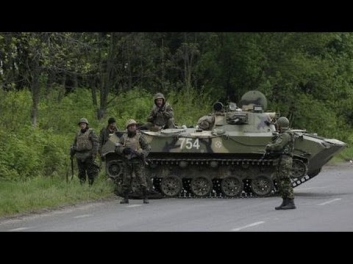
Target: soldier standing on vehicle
(283,145)
(85,148)
(134,148)
(161,115)
(106,132)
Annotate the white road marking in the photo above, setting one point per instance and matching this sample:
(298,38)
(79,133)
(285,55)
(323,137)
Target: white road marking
(331,201)
(19,229)
(243,227)
(310,188)
(133,205)
(82,216)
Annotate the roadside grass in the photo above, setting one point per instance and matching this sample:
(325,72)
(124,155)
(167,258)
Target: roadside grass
(49,193)
(345,156)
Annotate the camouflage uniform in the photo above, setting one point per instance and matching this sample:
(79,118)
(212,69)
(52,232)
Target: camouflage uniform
(161,116)
(134,161)
(105,133)
(284,146)
(85,147)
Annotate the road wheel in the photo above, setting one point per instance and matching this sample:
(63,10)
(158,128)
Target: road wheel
(231,186)
(201,186)
(262,185)
(114,169)
(299,169)
(171,186)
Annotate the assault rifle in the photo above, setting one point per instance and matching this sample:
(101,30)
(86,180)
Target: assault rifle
(271,155)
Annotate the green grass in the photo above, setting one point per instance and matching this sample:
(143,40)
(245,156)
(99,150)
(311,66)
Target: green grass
(49,193)
(345,156)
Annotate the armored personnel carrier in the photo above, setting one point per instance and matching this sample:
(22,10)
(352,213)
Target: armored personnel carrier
(224,155)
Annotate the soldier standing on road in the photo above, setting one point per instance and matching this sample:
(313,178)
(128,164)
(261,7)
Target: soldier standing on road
(85,147)
(134,148)
(284,146)
(106,132)
(161,115)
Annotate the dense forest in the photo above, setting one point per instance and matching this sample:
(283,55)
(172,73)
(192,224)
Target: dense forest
(49,80)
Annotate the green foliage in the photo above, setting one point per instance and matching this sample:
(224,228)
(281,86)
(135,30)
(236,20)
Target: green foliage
(19,154)
(319,119)
(190,105)
(135,103)
(62,116)
(14,109)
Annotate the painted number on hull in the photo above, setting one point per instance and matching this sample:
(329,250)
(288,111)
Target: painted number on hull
(189,143)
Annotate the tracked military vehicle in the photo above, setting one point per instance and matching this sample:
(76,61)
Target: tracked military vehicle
(224,155)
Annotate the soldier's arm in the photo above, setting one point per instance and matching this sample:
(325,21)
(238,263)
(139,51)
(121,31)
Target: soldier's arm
(169,112)
(151,116)
(74,144)
(279,143)
(73,147)
(95,143)
(101,139)
(146,148)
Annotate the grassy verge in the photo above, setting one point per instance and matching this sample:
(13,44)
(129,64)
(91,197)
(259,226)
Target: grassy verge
(345,156)
(49,193)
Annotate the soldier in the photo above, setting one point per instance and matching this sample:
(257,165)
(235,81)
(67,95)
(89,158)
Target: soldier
(161,115)
(284,146)
(85,147)
(134,148)
(106,132)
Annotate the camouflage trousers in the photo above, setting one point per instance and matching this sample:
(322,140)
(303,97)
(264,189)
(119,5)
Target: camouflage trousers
(283,177)
(87,167)
(137,167)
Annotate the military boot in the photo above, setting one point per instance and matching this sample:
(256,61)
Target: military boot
(289,205)
(284,202)
(145,197)
(126,198)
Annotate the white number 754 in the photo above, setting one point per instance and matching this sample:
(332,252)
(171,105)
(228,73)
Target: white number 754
(189,144)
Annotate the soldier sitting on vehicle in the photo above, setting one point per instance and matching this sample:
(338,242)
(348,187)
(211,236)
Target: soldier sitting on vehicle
(161,115)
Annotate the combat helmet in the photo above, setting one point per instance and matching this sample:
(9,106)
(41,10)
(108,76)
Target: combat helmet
(283,122)
(159,96)
(83,120)
(130,122)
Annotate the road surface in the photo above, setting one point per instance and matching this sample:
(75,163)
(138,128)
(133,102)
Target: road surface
(323,204)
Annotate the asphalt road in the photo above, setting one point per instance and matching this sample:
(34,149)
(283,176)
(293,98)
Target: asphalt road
(323,204)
